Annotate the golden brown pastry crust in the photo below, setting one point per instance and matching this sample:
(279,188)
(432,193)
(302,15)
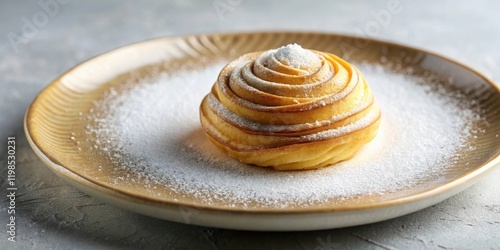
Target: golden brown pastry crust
(270,112)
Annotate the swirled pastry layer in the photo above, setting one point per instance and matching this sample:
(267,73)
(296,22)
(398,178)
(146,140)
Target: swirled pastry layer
(290,108)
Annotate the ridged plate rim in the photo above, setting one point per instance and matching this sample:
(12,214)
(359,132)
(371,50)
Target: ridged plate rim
(412,202)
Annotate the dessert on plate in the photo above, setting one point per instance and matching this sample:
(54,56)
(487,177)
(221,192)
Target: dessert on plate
(290,108)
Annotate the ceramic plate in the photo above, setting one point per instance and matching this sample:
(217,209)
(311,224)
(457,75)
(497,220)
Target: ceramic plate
(57,129)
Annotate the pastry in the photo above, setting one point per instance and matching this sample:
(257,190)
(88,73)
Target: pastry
(290,108)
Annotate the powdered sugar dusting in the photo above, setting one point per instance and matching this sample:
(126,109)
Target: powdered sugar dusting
(297,57)
(153,128)
(233,118)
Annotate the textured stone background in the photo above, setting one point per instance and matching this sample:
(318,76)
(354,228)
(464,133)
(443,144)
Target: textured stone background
(53,215)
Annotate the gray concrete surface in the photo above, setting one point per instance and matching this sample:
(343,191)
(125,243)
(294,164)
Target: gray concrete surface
(53,215)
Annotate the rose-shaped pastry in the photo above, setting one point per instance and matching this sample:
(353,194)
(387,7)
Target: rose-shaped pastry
(290,108)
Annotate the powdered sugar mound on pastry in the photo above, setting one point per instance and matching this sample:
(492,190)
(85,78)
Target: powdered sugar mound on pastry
(290,108)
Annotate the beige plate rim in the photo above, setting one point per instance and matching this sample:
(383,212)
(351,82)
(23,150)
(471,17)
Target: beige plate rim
(436,194)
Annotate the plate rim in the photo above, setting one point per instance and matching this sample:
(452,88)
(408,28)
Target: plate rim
(249,220)
(461,182)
